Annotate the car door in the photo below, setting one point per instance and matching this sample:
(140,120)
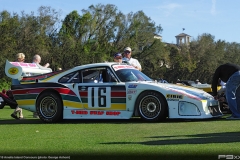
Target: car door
(100,91)
(70,93)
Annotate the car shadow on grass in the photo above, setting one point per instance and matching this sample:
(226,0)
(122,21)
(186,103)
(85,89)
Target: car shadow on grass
(23,121)
(209,138)
(73,121)
(101,121)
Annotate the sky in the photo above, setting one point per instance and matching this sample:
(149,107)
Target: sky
(220,18)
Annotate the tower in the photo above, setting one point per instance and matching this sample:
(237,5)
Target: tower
(183,38)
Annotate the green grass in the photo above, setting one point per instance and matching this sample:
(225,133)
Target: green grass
(108,139)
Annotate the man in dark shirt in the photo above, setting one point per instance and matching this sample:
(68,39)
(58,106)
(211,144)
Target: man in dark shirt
(230,74)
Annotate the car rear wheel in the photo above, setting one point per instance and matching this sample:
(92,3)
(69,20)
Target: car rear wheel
(49,107)
(152,106)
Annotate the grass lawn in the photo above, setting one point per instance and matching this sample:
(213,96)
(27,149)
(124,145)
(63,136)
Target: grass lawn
(117,139)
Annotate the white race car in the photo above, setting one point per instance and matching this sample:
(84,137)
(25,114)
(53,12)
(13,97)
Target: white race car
(106,91)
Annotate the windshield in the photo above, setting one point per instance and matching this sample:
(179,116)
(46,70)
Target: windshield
(127,75)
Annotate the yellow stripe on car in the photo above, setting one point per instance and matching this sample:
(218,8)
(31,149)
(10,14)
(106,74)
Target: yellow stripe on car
(26,102)
(72,104)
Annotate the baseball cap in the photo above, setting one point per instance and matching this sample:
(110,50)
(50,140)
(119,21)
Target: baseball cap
(128,49)
(117,55)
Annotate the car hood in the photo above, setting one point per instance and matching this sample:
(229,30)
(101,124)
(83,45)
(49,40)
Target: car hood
(185,90)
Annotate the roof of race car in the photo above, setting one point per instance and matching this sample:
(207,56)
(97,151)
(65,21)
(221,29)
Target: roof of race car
(96,64)
(109,64)
(49,76)
(17,70)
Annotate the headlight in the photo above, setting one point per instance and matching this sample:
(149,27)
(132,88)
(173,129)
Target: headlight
(188,109)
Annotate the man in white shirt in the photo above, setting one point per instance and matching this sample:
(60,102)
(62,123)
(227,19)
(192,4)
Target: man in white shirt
(132,61)
(37,60)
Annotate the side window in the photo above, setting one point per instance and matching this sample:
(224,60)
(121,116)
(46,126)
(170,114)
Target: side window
(90,75)
(70,78)
(98,75)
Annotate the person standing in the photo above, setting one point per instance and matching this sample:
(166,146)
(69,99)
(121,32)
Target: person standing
(132,61)
(230,74)
(117,57)
(197,81)
(223,87)
(37,60)
(20,57)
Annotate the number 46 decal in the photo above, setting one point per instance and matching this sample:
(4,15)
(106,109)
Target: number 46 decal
(99,97)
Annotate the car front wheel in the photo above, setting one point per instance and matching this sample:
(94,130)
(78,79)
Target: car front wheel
(152,106)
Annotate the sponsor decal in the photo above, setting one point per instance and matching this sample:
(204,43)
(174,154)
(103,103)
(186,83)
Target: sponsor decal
(131,91)
(132,86)
(113,113)
(79,112)
(174,97)
(29,65)
(32,65)
(117,67)
(129,97)
(169,99)
(13,71)
(108,113)
(188,93)
(96,112)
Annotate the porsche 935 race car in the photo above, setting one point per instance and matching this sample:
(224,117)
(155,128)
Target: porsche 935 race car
(107,91)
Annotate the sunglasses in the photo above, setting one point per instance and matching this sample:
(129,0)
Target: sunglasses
(127,52)
(118,57)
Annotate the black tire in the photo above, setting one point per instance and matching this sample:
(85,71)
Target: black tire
(2,104)
(152,106)
(49,107)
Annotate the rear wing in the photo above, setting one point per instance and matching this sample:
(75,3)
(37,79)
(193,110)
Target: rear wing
(17,70)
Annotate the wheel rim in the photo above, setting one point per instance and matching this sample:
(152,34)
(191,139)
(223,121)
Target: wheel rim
(150,107)
(48,107)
